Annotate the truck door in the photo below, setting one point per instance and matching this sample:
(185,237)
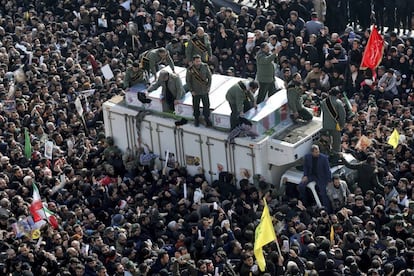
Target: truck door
(191,146)
(242,161)
(146,134)
(119,127)
(217,155)
(166,141)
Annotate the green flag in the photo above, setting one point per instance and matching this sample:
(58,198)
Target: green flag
(27,144)
(347,102)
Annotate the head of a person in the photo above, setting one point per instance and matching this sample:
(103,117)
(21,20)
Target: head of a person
(200,31)
(315,151)
(163,257)
(253,86)
(265,47)
(162,52)
(293,16)
(164,75)
(197,60)
(336,180)
(297,77)
(334,92)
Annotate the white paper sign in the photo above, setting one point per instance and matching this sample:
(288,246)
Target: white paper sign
(78,106)
(103,23)
(107,72)
(185,190)
(49,149)
(30,57)
(127,5)
(62,179)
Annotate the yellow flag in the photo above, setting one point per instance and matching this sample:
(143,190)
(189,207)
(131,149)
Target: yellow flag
(332,235)
(265,233)
(394,138)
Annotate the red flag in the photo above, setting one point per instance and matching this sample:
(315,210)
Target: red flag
(373,52)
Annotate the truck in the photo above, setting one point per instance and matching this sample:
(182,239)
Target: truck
(278,145)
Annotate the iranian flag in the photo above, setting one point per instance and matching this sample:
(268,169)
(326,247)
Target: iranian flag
(36,208)
(40,212)
(51,218)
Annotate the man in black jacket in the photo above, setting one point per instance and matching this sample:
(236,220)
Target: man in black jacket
(367,173)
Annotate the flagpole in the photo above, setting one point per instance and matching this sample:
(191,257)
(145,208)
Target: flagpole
(278,247)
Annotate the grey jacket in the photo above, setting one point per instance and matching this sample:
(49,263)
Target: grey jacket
(173,83)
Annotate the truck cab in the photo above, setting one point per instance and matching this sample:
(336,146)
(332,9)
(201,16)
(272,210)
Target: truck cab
(293,176)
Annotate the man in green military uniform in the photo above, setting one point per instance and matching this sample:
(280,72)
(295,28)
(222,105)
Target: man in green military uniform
(324,143)
(333,118)
(198,80)
(241,98)
(266,71)
(134,75)
(200,45)
(295,100)
(152,58)
(172,89)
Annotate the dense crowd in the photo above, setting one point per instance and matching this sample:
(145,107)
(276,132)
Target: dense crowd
(117,214)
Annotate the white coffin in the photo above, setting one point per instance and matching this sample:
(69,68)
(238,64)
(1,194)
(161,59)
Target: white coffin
(221,116)
(269,113)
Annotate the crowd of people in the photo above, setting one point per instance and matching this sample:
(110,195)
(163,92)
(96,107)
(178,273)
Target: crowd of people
(119,213)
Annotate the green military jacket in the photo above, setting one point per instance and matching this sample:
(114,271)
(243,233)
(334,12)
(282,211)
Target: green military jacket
(154,59)
(199,79)
(328,119)
(294,97)
(265,67)
(133,77)
(199,46)
(237,96)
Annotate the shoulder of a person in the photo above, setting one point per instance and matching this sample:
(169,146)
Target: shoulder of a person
(324,156)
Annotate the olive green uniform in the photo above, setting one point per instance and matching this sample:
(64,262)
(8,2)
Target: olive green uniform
(199,82)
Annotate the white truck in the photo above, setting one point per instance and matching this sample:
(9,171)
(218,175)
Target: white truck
(279,145)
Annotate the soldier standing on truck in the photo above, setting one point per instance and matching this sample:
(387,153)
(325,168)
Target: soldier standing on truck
(150,60)
(295,101)
(200,45)
(266,71)
(333,118)
(241,98)
(198,80)
(172,89)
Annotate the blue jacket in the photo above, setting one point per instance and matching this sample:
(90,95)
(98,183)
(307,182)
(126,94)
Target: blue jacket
(323,170)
